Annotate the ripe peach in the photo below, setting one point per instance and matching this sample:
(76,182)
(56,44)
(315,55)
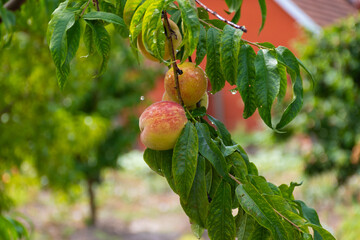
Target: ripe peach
(176,40)
(193,83)
(161,124)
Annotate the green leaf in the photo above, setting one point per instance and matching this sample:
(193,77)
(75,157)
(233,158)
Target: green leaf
(233,4)
(154,160)
(221,224)
(287,58)
(120,5)
(261,185)
(196,205)
(8,18)
(263,13)
(215,182)
(256,205)
(283,83)
(323,233)
(246,79)
(129,10)
(239,164)
(89,39)
(203,14)
(153,34)
(229,52)
(105,16)
(58,44)
(237,14)
(213,69)
(221,130)
(287,191)
(102,43)
(197,230)
(136,22)
(176,16)
(210,151)
(185,160)
(72,40)
(191,24)
(267,84)
(216,23)
(107,7)
(249,229)
(307,71)
(311,215)
(201,47)
(166,168)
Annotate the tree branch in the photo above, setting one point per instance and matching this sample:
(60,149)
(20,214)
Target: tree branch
(176,69)
(288,220)
(244,40)
(242,28)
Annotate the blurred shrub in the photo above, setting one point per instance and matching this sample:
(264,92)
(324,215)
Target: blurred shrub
(68,136)
(332,108)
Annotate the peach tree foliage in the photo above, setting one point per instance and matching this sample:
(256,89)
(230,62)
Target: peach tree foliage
(46,128)
(212,174)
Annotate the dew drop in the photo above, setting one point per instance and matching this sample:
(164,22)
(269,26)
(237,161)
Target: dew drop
(142,98)
(233,92)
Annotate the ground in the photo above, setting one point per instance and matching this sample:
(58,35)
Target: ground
(137,204)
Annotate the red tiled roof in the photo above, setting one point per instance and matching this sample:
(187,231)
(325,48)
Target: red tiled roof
(326,12)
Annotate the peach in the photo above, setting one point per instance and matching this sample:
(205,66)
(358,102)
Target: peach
(193,83)
(161,124)
(176,40)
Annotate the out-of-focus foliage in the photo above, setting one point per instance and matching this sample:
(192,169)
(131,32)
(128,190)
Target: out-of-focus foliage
(332,108)
(68,135)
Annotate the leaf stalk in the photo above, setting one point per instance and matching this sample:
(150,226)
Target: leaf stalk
(242,28)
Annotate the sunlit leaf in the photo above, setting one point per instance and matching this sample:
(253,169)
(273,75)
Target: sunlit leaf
(213,69)
(185,160)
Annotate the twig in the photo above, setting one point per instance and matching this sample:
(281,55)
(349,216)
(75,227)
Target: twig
(298,228)
(244,40)
(176,69)
(86,6)
(96,3)
(242,28)
(234,178)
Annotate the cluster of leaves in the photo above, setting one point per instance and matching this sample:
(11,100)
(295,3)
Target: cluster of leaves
(213,176)
(260,77)
(77,133)
(211,173)
(12,229)
(67,27)
(331,114)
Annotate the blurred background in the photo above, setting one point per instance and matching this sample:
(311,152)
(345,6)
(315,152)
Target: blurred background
(71,164)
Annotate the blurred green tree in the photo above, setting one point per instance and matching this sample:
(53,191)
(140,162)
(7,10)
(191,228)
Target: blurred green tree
(331,112)
(70,136)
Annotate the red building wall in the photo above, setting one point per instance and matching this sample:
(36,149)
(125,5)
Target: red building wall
(280,29)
